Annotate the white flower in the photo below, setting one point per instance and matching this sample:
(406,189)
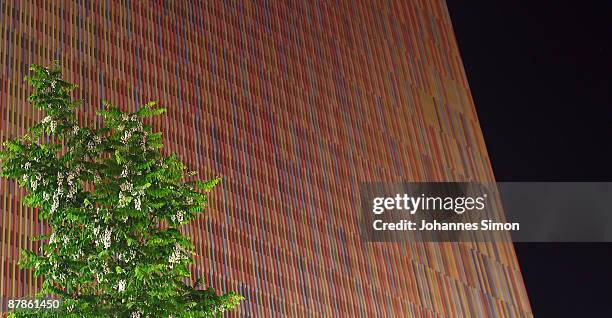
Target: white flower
(46,120)
(105,240)
(72,189)
(124,256)
(75,129)
(59,192)
(35,182)
(176,256)
(124,173)
(179,216)
(27,166)
(126,186)
(126,136)
(53,126)
(136,314)
(121,286)
(137,203)
(55,203)
(122,201)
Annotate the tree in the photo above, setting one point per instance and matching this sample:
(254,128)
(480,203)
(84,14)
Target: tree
(114,205)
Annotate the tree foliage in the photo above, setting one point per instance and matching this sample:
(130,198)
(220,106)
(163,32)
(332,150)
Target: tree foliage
(114,205)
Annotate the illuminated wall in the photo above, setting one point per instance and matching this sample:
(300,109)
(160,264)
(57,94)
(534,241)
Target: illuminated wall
(293,103)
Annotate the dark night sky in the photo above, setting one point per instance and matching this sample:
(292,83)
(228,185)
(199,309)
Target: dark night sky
(541,77)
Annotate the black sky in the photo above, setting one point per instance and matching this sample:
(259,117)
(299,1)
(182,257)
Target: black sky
(541,77)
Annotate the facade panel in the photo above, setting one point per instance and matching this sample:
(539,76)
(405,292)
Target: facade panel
(293,103)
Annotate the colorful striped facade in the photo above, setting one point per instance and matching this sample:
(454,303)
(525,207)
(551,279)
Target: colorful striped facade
(294,103)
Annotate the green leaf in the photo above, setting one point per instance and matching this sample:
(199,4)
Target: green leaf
(88,219)
(118,157)
(148,110)
(41,237)
(32,200)
(210,184)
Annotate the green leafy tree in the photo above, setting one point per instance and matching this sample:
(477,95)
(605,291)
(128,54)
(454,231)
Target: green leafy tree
(114,205)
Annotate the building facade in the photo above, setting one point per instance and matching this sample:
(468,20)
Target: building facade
(293,103)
